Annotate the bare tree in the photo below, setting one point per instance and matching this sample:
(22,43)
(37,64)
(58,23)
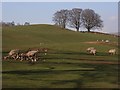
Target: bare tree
(60,18)
(26,23)
(74,18)
(91,20)
(12,23)
(8,23)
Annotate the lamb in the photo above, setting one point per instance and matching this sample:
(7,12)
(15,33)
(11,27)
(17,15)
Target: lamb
(45,50)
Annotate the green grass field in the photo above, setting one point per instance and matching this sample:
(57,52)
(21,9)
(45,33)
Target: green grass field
(67,64)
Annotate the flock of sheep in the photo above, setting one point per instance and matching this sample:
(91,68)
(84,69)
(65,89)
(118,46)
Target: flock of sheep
(93,51)
(32,55)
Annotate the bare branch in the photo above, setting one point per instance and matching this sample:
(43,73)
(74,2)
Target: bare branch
(74,18)
(91,20)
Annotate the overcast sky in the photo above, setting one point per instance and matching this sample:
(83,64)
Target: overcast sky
(42,12)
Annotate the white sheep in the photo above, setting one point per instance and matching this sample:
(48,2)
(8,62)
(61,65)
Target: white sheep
(112,51)
(12,54)
(102,40)
(93,51)
(32,55)
(90,48)
(107,41)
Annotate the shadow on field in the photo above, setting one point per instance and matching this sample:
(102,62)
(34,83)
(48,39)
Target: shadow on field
(79,53)
(26,72)
(68,52)
(50,71)
(78,82)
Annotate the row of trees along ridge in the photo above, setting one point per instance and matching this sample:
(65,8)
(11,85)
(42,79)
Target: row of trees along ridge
(77,18)
(12,23)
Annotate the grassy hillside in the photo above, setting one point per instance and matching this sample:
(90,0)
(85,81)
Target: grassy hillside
(49,36)
(56,39)
(67,64)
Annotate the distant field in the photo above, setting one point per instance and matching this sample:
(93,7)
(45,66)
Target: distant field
(67,64)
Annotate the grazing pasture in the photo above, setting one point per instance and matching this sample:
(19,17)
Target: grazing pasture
(66,65)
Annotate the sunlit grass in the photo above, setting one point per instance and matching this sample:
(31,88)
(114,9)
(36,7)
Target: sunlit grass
(66,65)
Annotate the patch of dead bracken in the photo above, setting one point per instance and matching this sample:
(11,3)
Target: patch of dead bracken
(92,42)
(104,43)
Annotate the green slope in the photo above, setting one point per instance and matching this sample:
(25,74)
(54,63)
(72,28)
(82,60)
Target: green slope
(67,64)
(46,36)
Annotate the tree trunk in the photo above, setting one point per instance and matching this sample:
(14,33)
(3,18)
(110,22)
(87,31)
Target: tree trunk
(64,26)
(77,29)
(88,29)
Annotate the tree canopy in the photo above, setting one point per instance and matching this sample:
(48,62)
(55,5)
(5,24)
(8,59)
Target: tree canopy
(60,18)
(74,18)
(77,18)
(91,20)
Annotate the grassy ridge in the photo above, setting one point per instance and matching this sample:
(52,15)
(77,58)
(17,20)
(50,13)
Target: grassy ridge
(31,36)
(55,38)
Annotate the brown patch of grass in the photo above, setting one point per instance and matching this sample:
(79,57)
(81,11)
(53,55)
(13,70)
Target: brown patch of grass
(104,43)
